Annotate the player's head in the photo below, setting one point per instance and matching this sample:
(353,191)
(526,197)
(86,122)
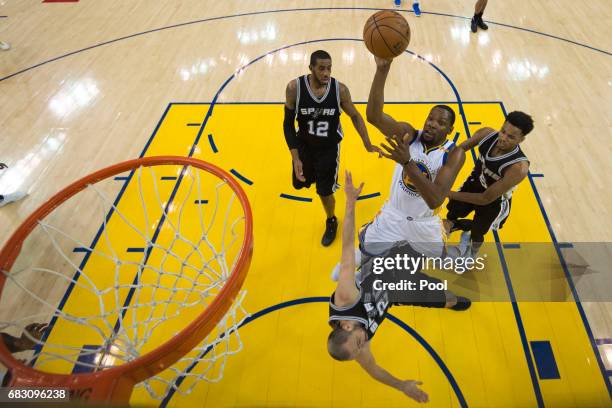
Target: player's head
(513,131)
(439,124)
(346,340)
(320,66)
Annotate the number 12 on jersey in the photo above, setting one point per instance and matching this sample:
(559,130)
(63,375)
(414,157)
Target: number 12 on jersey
(321,128)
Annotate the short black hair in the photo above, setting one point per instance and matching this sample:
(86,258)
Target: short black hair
(521,120)
(335,344)
(317,55)
(450,111)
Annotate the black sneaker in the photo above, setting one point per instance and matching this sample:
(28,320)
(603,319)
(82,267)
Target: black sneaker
(481,24)
(474,25)
(331,226)
(463,303)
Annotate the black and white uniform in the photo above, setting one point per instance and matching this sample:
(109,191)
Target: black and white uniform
(319,133)
(371,308)
(487,171)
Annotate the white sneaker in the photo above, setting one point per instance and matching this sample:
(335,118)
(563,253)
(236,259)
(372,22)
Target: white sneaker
(4,46)
(9,198)
(464,244)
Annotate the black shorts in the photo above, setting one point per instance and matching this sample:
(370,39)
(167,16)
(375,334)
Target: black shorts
(493,215)
(429,296)
(320,165)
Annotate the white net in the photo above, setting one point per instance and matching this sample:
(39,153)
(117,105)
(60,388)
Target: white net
(164,249)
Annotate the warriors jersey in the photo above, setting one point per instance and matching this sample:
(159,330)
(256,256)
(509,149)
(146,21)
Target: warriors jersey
(489,169)
(318,118)
(406,215)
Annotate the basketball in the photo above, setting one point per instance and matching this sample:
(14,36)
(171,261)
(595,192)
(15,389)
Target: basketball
(386,34)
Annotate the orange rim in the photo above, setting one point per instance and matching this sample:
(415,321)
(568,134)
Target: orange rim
(116,383)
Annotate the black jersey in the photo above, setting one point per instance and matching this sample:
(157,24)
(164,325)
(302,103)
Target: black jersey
(489,169)
(318,118)
(369,310)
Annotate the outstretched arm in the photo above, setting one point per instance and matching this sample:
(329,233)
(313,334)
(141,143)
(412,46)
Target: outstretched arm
(408,387)
(347,292)
(289,129)
(374,112)
(434,193)
(347,106)
(473,141)
(512,177)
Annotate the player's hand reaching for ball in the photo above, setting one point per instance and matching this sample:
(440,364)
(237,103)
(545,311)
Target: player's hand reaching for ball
(411,389)
(349,189)
(374,149)
(384,63)
(397,150)
(298,169)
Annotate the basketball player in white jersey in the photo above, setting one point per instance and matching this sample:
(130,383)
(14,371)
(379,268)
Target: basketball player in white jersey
(427,165)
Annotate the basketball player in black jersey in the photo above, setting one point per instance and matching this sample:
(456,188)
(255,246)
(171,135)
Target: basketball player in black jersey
(316,101)
(356,309)
(501,166)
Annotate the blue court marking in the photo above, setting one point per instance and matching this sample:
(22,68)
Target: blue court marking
(456,137)
(533,175)
(141,250)
(570,282)
(241,177)
(512,246)
(121,178)
(200,202)
(475,123)
(565,245)
(545,360)
(284,11)
(609,373)
(519,322)
(169,178)
(515,308)
(87,355)
(366,196)
(194,124)
(213,146)
(354,103)
(324,299)
(601,342)
(81,249)
(296,198)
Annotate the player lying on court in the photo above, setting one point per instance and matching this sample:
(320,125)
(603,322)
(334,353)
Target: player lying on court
(316,100)
(427,166)
(357,308)
(500,167)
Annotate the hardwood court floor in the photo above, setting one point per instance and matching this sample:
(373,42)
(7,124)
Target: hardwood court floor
(96,106)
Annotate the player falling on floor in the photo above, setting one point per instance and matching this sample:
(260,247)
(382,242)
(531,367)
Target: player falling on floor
(427,165)
(316,100)
(357,308)
(500,167)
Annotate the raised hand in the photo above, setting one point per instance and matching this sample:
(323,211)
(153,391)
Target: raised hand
(374,149)
(349,189)
(383,62)
(397,150)
(411,389)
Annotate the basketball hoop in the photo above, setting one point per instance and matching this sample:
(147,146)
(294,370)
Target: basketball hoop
(157,291)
